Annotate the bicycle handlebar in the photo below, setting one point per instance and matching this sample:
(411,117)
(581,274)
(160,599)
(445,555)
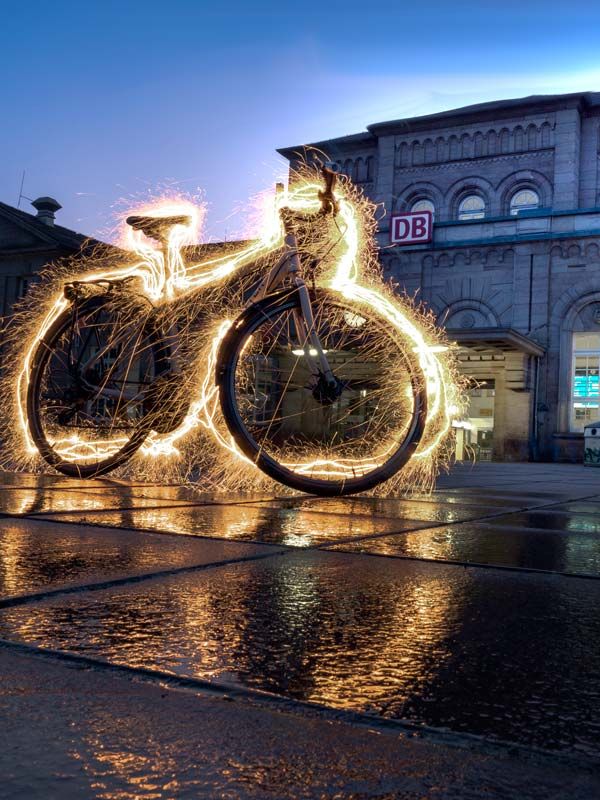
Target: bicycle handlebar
(329,205)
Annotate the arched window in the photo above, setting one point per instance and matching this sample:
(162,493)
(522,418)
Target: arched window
(357,171)
(524,200)
(471,207)
(424,205)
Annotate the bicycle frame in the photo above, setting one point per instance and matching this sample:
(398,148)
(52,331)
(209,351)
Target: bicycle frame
(287,269)
(289,266)
(161,277)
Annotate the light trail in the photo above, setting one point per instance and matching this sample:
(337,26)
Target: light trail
(165,276)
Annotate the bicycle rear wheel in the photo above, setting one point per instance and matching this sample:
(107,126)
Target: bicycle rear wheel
(88,383)
(288,428)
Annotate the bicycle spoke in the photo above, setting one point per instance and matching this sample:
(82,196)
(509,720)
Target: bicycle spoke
(95,380)
(289,419)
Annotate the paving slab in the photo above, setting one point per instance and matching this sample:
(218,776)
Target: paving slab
(25,501)
(74,732)
(487,499)
(508,655)
(289,526)
(43,556)
(40,480)
(591,505)
(11,481)
(190,494)
(486,543)
(410,508)
(572,479)
(551,519)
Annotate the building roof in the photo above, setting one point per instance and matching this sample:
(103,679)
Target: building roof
(457,116)
(54,236)
(491,339)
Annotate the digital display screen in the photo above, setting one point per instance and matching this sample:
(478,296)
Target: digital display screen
(586,386)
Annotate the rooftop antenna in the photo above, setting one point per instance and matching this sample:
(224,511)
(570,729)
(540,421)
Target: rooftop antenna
(21,195)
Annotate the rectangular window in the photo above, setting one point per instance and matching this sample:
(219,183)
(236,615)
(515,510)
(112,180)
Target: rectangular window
(22,287)
(585,380)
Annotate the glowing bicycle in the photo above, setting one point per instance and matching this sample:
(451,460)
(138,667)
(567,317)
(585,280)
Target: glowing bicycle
(318,388)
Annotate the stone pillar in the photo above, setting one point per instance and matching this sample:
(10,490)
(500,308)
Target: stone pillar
(567,136)
(522,289)
(588,166)
(530,289)
(517,426)
(384,184)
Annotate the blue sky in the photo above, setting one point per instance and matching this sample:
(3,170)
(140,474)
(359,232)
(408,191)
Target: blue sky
(107,102)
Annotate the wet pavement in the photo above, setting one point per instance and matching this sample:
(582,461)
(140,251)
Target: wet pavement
(469,619)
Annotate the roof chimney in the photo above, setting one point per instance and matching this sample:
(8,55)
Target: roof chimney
(46,207)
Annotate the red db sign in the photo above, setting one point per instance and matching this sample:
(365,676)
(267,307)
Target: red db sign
(415,227)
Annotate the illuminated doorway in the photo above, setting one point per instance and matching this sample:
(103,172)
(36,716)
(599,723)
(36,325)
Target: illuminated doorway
(475,433)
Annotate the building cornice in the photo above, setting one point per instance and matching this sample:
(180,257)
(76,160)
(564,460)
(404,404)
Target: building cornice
(343,144)
(587,103)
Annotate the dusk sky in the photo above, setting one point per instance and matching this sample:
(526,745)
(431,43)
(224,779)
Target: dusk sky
(106,103)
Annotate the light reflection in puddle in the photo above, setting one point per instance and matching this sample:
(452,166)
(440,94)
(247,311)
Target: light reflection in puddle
(294,527)
(35,501)
(37,555)
(483,543)
(434,644)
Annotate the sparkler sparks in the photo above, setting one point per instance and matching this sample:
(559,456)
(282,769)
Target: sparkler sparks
(165,277)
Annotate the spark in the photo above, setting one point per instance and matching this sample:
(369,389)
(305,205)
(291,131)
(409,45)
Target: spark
(164,276)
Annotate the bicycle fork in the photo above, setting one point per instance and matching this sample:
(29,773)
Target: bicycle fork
(327,387)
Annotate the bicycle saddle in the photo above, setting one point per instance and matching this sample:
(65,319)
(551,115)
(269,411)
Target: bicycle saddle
(157,227)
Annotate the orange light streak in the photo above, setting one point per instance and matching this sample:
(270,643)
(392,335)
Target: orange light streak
(165,276)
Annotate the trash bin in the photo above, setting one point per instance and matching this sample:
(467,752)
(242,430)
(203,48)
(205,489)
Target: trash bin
(591,453)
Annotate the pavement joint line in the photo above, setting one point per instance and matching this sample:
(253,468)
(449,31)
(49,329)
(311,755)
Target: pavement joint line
(353,514)
(84,523)
(116,509)
(468,564)
(545,529)
(284,704)
(322,546)
(435,525)
(249,503)
(327,547)
(38,597)
(334,547)
(199,537)
(205,504)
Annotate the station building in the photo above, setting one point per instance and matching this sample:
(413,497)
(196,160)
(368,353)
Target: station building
(512,270)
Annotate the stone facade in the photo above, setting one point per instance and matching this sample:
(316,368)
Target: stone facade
(28,243)
(512,289)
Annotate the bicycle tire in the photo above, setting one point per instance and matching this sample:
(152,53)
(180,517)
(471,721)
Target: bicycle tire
(37,429)
(233,345)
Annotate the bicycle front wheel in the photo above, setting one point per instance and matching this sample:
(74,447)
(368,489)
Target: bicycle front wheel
(88,385)
(300,436)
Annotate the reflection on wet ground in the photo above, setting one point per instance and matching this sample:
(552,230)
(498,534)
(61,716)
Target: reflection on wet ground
(408,508)
(148,744)
(553,520)
(289,526)
(36,501)
(116,493)
(38,555)
(488,544)
(484,651)
(508,654)
(28,479)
